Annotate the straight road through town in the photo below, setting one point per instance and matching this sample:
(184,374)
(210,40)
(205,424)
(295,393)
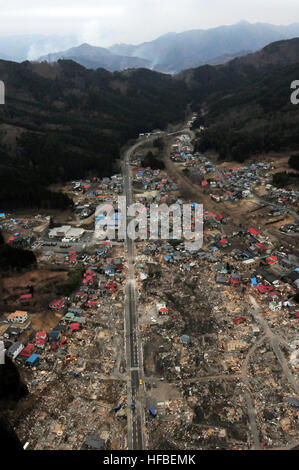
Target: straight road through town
(132,341)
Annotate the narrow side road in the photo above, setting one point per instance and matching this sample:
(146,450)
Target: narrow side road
(275,341)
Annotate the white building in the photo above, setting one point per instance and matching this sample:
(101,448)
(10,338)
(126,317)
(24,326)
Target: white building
(15,349)
(59,231)
(18,317)
(66,232)
(73,234)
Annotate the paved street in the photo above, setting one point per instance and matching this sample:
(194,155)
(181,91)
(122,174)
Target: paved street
(132,340)
(133,353)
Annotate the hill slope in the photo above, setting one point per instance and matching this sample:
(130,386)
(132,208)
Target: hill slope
(206,80)
(174,52)
(246,103)
(61,121)
(97,57)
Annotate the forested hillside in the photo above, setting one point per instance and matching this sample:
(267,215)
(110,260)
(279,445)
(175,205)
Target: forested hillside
(61,121)
(246,103)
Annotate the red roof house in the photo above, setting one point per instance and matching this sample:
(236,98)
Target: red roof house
(74,326)
(28,350)
(41,335)
(252,231)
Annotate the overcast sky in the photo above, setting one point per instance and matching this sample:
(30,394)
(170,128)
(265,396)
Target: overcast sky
(103,22)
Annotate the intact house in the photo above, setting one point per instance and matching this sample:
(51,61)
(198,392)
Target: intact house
(15,349)
(18,317)
(250,264)
(28,350)
(32,360)
(54,335)
(66,233)
(13,331)
(109,270)
(40,339)
(57,304)
(59,232)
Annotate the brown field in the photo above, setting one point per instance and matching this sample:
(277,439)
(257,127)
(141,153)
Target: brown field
(14,285)
(37,278)
(41,317)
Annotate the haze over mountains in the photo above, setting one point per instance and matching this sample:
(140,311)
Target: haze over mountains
(170,53)
(31,46)
(56,113)
(174,52)
(93,57)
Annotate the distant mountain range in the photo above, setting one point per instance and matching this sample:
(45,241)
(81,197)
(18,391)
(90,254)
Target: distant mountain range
(174,52)
(62,121)
(207,80)
(93,57)
(170,53)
